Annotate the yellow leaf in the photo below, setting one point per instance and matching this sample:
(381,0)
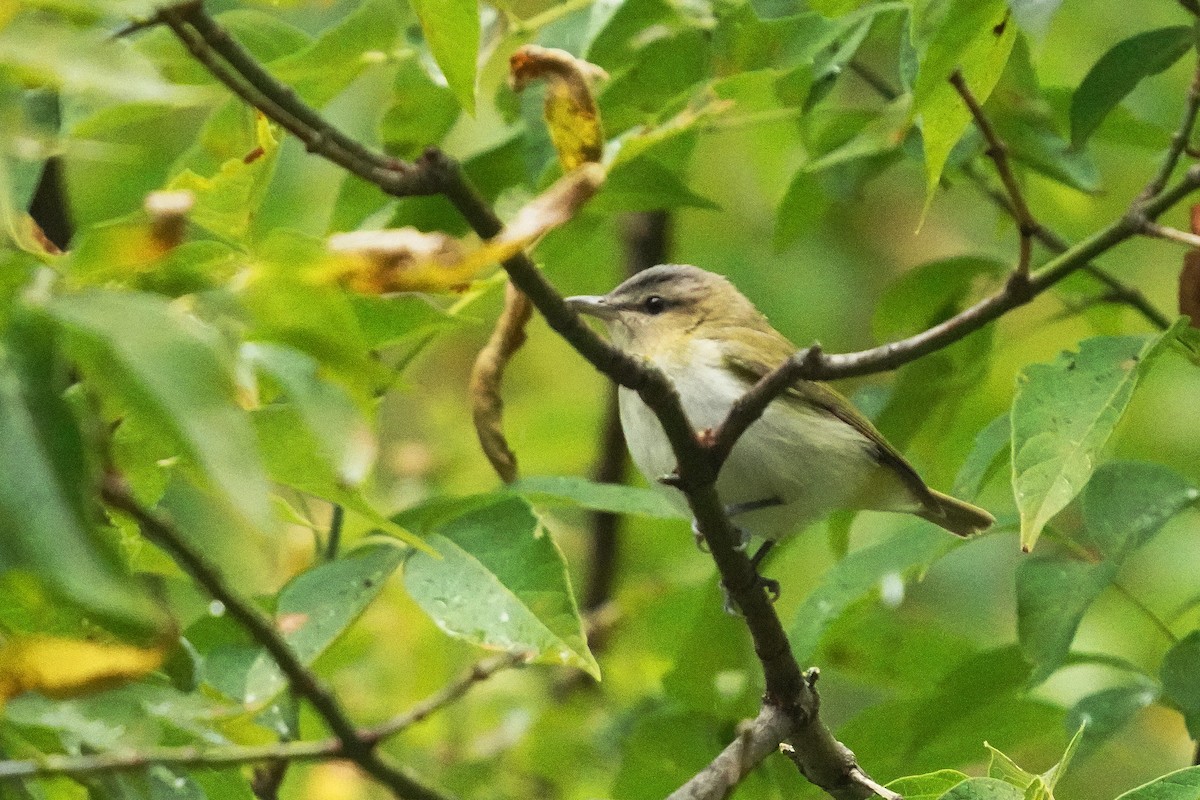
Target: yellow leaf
(570,111)
(62,668)
(409,260)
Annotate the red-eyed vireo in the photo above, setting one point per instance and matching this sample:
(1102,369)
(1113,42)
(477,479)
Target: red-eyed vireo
(811,452)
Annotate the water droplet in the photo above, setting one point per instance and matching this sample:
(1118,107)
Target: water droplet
(179,782)
(564,656)
(891,590)
(504,616)
(216,608)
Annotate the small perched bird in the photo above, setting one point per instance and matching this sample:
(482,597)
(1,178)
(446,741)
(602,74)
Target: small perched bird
(810,453)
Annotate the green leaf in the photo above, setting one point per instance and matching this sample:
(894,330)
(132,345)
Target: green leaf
(1124,505)
(1052,776)
(291,458)
(1103,713)
(930,292)
(47,527)
(170,369)
(501,583)
(858,574)
(1182,784)
(611,497)
(644,184)
(1181,679)
(451,28)
(884,133)
(327,66)
(1034,15)
(991,448)
(835,8)
(341,436)
(1003,768)
(1119,71)
(312,611)
(975,38)
(1062,415)
(984,789)
(930,786)
(419,116)
(1127,502)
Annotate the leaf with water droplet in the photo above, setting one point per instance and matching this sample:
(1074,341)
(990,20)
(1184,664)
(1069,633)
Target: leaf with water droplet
(1062,416)
(506,581)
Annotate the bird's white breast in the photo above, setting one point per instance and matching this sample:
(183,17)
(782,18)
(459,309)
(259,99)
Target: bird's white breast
(812,461)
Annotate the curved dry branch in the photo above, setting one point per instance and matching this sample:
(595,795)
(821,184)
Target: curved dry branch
(823,760)
(486,375)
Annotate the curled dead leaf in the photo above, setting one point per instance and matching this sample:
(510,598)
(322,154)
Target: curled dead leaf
(62,668)
(488,371)
(409,260)
(399,260)
(570,109)
(168,211)
(1189,287)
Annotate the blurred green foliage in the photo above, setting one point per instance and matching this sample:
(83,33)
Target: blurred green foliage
(816,154)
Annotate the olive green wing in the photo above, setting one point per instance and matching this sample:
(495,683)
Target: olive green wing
(762,352)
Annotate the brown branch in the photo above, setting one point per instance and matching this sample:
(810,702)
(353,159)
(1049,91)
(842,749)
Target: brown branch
(824,760)
(486,375)
(756,740)
(813,364)
(476,674)
(163,533)
(1180,141)
(997,150)
(1121,292)
(233,755)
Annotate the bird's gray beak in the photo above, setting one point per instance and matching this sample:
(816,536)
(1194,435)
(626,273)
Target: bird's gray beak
(592,305)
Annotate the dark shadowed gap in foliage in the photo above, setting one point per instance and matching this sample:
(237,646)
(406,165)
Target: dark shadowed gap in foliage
(647,238)
(49,205)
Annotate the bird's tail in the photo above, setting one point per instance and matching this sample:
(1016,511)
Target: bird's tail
(957,516)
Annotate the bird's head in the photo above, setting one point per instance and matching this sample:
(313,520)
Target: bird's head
(663,309)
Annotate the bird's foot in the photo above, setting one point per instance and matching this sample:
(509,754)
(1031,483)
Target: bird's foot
(771,585)
(701,543)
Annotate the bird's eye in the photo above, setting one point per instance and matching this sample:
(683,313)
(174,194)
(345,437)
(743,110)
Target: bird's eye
(654,304)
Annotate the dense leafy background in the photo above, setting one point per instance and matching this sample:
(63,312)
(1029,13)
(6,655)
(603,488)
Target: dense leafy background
(241,396)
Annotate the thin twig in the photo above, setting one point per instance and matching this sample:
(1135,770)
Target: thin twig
(1147,612)
(162,532)
(1180,140)
(1124,293)
(812,364)
(445,696)
(757,740)
(997,150)
(1119,291)
(333,542)
(1170,234)
(234,755)
(822,759)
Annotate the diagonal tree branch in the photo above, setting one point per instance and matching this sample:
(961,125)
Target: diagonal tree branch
(997,150)
(1118,290)
(215,756)
(303,682)
(822,759)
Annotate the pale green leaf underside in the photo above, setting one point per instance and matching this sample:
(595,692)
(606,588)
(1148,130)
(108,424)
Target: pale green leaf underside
(1063,414)
(501,583)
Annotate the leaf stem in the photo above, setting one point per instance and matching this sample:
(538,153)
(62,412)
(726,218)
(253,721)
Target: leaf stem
(997,150)
(1146,611)
(303,682)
